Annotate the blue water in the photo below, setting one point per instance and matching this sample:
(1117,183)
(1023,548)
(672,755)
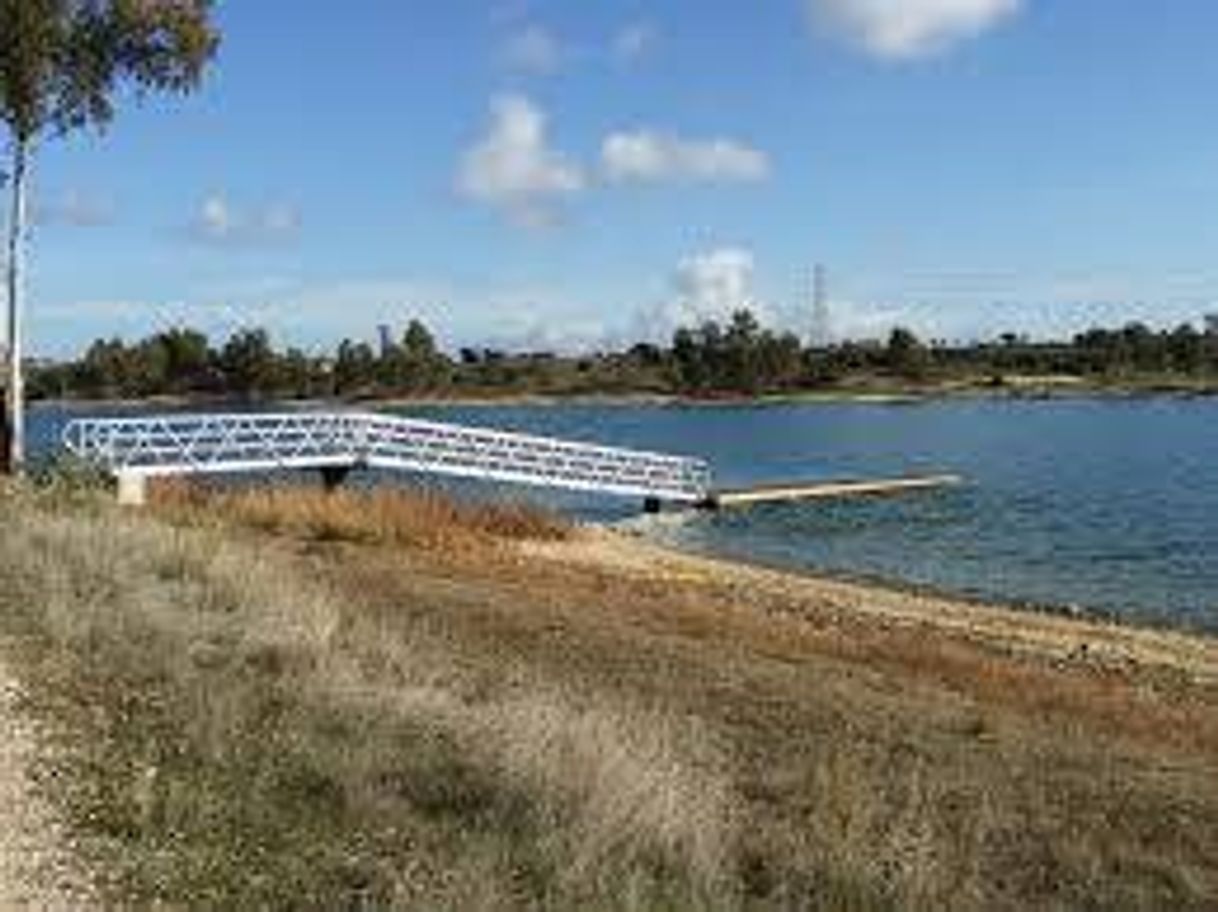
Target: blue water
(1105,505)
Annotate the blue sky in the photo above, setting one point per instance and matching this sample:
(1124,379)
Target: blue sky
(555,173)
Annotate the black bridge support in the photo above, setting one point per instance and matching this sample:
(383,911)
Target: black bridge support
(334,476)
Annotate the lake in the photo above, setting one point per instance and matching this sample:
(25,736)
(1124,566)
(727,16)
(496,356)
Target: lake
(1104,505)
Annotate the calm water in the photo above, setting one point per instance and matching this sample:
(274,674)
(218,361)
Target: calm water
(1106,505)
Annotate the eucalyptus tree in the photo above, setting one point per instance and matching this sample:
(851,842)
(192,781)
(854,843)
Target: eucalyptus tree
(63,63)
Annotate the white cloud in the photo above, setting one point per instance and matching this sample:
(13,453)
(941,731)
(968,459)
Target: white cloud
(317,315)
(651,156)
(967,304)
(714,284)
(905,29)
(278,219)
(218,221)
(530,326)
(534,49)
(634,41)
(513,169)
(705,286)
(74,208)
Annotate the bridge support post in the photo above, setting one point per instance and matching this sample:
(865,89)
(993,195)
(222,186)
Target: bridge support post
(333,477)
(132,489)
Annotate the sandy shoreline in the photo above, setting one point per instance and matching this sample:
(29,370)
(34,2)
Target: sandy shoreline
(820,599)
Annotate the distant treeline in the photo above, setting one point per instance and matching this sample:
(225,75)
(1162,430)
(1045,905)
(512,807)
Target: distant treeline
(739,357)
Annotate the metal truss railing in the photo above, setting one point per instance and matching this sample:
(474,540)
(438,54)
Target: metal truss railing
(191,444)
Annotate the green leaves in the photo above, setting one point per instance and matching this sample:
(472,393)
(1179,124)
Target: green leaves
(162,44)
(28,42)
(61,61)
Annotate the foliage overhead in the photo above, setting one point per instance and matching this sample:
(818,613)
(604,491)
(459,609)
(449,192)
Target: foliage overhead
(61,61)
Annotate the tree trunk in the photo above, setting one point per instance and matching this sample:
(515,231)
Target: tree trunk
(15,400)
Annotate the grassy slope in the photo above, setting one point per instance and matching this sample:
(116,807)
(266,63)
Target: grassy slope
(294,700)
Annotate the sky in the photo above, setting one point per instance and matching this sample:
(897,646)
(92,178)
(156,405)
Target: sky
(574,174)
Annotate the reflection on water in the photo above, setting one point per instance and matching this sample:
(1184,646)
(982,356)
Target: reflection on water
(1110,505)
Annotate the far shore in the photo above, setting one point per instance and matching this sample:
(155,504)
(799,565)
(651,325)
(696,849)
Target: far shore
(1013,388)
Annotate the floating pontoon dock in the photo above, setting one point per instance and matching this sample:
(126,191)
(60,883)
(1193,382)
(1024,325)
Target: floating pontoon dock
(825,490)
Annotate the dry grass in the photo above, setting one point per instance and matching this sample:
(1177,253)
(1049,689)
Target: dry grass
(362,711)
(416,518)
(874,764)
(253,739)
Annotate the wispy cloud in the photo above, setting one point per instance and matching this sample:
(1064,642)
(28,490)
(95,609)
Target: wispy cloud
(218,221)
(649,156)
(74,208)
(317,315)
(966,304)
(533,49)
(635,41)
(908,29)
(513,168)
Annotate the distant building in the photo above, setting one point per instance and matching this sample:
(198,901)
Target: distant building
(385,332)
(1211,324)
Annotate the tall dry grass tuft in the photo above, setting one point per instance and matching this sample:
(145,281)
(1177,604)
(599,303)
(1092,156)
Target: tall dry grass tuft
(646,786)
(252,740)
(419,518)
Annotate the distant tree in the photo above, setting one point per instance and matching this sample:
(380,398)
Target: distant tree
(906,355)
(415,363)
(61,63)
(841,360)
(744,357)
(1186,349)
(738,370)
(646,354)
(248,362)
(188,358)
(418,341)
(780,360)
(691,372)
(426,366)
(298,375)
(103,370)
(354,367)
(150,366)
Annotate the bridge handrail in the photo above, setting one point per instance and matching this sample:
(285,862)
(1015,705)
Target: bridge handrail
(197,442)
(371,417)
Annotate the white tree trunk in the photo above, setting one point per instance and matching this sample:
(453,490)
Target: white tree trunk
(15,411)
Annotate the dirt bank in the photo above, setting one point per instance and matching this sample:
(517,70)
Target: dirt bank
(1033,635)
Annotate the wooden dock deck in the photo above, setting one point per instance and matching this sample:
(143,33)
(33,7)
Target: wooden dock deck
(823,490)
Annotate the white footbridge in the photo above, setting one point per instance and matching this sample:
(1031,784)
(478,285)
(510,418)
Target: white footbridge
(136,449)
